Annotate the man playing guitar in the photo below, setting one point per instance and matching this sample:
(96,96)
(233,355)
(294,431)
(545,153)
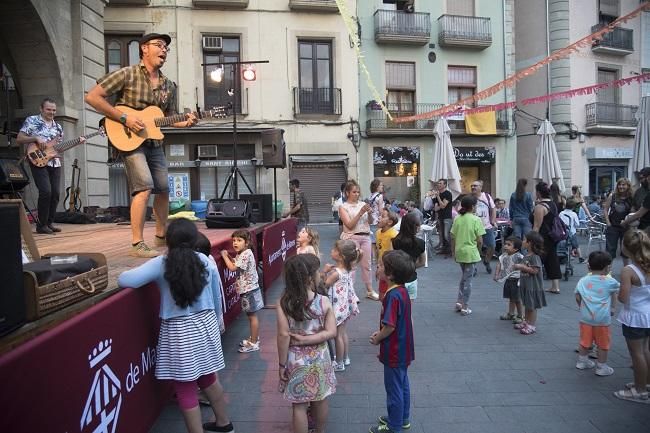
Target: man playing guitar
(138,87)
(41,129)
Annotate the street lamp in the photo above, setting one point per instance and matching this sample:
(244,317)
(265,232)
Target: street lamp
(249,74)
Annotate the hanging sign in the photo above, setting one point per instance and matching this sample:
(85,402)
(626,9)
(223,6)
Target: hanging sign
(481,155)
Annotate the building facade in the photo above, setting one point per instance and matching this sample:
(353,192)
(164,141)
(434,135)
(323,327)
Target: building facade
(594,132)
(424,55)
(308,88)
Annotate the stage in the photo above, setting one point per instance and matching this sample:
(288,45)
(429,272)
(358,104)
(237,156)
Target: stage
(66,353)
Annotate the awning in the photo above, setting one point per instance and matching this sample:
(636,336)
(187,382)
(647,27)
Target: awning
(318,159)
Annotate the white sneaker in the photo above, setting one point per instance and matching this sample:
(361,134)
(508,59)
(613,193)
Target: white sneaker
(584,364)
(604,370)
(250,347)
(346,361)
(338,366)
(465,311)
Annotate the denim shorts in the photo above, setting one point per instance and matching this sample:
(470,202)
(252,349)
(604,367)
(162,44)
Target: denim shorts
(488,238)
(146,169)
(252,301)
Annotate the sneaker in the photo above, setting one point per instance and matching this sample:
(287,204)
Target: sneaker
(465,311)
(247,341)
(346,361)
(604,370)
(381,428)
(458,307)
(212,426)
(142,250)
(159,242)
(517,319)
(250,347)
(584,364)
(338,366)
(383,420)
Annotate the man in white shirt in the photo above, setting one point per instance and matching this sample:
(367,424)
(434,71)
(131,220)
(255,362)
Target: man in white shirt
(486,211)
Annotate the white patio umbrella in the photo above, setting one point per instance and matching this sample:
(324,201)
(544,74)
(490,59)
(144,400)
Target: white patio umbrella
(641,157)
(547,164)
(444,160)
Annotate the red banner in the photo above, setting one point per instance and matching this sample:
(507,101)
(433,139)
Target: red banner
(278,243)
(92,373)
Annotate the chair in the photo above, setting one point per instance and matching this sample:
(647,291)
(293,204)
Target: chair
(595,232)
(582,222)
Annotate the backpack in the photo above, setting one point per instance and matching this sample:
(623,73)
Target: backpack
(557,231)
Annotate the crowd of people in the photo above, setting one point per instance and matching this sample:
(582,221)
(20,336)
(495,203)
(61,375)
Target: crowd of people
(319,301)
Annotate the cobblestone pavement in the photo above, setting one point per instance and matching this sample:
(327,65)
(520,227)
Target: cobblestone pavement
(471,374)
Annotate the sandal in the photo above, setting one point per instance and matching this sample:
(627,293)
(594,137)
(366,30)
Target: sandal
(520,325)
(528,330)
(555,292)
(630,385)
(517,319)
(372,295)
(632,395)
(507,316)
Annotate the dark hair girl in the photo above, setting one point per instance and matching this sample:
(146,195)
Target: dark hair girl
(183,268)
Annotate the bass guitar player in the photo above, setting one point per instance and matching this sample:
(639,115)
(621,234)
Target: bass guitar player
(42,129)
(138,87)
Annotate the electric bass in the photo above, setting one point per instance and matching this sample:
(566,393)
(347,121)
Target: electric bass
(122,138)
(40,158)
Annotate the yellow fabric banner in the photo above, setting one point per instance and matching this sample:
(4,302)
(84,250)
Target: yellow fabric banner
(481,123)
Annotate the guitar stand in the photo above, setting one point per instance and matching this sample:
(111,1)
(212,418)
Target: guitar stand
(234,170)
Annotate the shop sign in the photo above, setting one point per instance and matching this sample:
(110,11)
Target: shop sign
(481,155)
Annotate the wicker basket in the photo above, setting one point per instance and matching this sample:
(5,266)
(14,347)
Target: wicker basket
(43,300)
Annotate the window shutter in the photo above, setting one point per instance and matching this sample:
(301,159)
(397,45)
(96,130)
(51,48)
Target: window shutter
(461,76)
(609,7)
(400,75)
(460,7)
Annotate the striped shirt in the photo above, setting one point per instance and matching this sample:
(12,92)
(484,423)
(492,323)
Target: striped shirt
(133,88)
(397,350)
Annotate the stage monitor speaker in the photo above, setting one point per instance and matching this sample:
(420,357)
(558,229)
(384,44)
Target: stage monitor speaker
(261,207)
(227,214)
(12,293)
(13,176)
(274,151)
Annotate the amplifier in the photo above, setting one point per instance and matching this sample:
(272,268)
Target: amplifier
(227,213)
(13,176)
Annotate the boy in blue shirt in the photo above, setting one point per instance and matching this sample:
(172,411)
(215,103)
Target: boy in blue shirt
(596,296)
(395,340)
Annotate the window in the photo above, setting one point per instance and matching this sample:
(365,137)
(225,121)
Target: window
(121,51)
(400,86)
(461,83)
(460,7)
(607,11)
(316,93)
(610,94)
(400,5)
(216,94)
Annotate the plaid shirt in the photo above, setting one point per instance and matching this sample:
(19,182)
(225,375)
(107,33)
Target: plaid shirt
(134,89)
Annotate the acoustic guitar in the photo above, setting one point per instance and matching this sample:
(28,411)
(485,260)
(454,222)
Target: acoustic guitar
(53,148)
(153,118)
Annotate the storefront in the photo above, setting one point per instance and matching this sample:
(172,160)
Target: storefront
(475,163)
(398,167)
(606,166)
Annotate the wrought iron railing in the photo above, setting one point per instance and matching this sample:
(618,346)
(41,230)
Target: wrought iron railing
(610,114)
(459,28)
(321,100)
(621,39)
(399,23)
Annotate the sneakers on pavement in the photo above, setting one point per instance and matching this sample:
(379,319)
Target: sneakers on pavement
(338,366)
(604,370)
(142,250)
(346,361)
(585,363)
(383,420)
(465,311)
(250,347)
(381,428)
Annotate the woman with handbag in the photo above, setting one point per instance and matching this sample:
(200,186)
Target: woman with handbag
(544,213)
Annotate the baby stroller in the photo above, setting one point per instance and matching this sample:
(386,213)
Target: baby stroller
(564,254)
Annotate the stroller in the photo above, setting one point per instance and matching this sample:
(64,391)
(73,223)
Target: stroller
(564,253)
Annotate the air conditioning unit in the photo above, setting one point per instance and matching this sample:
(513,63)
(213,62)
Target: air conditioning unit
(208,151)
(212,43)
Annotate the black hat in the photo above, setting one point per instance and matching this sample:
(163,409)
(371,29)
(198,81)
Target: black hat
(151,36)
(645,171)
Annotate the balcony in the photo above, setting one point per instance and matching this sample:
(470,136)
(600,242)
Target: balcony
(323,100)
(398,27)
(619,42)
(458,31)
(229,4)
(314,5)
(378,124)
(609,118)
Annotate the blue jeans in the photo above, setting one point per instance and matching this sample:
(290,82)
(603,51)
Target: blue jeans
(465,284)
(521,226)
(398,396)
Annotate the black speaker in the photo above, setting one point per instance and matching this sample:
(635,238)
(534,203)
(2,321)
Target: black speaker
(274,151)
(261,206)
(227,214)
(13,176)
(12,296)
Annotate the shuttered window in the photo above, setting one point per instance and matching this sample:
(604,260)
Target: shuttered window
(461,83)
(400,84)
(610,94)
(460,7)
(608,7)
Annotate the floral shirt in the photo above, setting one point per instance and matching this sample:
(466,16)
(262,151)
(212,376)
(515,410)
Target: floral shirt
(247,278)
(36,126)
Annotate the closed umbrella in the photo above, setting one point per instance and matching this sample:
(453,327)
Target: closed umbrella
(444,160)
(641,157)
(547,164)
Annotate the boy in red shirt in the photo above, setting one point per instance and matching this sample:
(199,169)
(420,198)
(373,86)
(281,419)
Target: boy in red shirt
(395,340)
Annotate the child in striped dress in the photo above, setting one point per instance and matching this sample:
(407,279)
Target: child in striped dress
(189,344)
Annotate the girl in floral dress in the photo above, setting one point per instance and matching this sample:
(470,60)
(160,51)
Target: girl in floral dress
(344,299)
(305,323)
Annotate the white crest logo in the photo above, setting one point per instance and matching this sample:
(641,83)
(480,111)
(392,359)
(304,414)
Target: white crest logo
(104,400)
